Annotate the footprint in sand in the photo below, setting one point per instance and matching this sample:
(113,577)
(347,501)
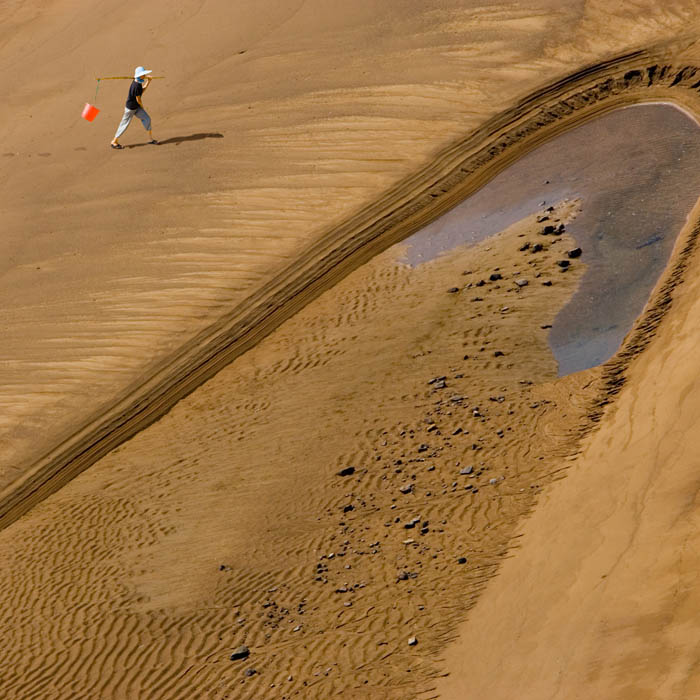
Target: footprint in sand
(9,155)
(44,155)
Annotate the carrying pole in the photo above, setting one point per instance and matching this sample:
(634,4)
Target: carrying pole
(129,77)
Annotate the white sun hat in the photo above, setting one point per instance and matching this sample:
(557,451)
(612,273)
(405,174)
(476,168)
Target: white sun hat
(141,71)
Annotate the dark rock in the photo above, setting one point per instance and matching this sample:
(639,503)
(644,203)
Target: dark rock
(563,263)
(405,575)
(462,560)
(494,276)
(480,283)
(525,246)
(498,353)
(435,380)
(412,641)
(222,567)
(348,471)
(546,326)
(456,431)
(453,290)
(537,248)
(406,488)
(348,508)
(574,253)
(522,282)
(547,283)
(423,448)
(250,672)
(548,230)
(241,652)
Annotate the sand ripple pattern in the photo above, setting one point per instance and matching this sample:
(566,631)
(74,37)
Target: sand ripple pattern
(140,577)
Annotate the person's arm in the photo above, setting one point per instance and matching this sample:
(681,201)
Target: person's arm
(143,89)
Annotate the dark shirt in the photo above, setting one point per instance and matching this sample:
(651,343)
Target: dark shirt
(136,90)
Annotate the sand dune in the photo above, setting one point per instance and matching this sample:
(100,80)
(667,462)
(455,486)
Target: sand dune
(317,117)
(300,141)
(181,550)
(614,613)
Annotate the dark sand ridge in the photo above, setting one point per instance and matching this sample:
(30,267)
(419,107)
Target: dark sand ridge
(323,94)
(455,173)
(635,172)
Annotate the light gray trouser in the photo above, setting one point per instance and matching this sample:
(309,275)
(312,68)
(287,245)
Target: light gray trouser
(129,114)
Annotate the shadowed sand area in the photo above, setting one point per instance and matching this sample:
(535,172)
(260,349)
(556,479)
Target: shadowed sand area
(370,474)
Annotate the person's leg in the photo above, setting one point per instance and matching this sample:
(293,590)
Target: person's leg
(126,120)
(145,118)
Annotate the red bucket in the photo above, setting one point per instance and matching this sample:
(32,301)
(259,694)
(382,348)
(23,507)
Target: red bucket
(90,112)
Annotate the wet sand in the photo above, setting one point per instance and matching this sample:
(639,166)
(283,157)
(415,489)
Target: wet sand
(634,172)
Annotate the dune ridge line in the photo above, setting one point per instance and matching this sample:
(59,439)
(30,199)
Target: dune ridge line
(456,172)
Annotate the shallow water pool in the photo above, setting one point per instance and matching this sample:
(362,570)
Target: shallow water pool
(636,173)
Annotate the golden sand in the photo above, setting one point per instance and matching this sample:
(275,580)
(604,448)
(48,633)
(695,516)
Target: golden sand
(301,140)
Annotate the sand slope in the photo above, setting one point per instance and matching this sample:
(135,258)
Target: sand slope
(602,598)
(226,522)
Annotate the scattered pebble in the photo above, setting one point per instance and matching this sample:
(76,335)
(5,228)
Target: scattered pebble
(412,641)
(241,652)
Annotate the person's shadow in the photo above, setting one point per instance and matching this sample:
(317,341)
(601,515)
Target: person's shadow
(177,140)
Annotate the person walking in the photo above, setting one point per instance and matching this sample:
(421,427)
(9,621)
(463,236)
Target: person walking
(134,106)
